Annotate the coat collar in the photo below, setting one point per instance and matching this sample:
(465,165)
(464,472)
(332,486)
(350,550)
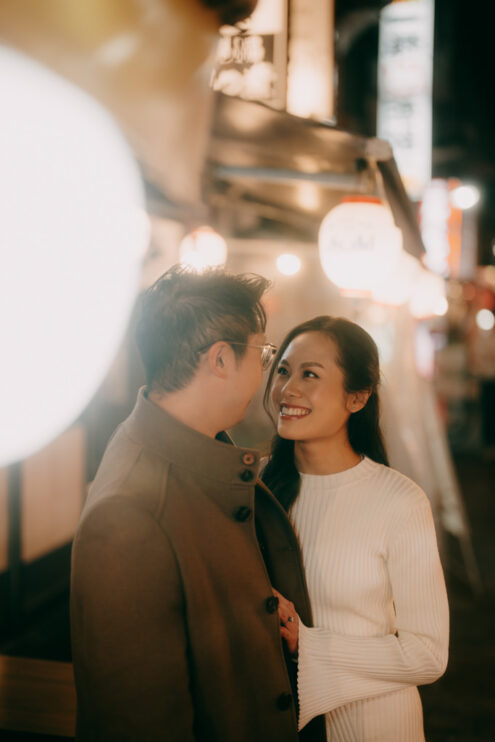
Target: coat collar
(217,459)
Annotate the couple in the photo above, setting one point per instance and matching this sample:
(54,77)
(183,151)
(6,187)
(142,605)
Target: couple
(192,617)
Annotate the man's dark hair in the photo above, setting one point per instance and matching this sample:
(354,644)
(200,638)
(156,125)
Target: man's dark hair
(184,312)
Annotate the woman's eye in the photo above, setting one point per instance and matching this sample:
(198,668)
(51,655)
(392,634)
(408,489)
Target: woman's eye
(282,371)
(310,375)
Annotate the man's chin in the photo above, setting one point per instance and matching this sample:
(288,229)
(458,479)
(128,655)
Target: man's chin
(237,419)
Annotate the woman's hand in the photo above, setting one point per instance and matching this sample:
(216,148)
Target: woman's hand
(289,621)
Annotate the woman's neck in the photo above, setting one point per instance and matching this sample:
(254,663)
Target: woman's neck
(324,456)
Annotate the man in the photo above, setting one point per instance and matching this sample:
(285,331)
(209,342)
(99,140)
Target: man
(175,628)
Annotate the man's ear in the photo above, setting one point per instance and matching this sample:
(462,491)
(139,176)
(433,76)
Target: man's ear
(219,357)
(357,400)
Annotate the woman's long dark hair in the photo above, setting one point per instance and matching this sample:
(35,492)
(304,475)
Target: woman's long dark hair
(358,358)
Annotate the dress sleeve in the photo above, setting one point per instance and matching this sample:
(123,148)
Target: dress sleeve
(336,669)
(128,629)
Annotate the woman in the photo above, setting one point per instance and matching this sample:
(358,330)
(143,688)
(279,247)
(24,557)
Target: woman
(368,541)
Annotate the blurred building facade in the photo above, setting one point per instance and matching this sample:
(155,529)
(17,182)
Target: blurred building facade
(264,176)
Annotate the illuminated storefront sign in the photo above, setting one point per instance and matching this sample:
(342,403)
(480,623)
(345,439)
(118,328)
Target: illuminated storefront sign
(310,88)
(449,233)
(252,56)
(405,72)
(282,56)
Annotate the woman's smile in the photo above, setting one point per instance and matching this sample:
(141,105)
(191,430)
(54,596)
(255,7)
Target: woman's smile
(293,412)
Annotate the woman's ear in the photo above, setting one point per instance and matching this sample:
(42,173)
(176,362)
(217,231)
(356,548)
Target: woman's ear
(357,400)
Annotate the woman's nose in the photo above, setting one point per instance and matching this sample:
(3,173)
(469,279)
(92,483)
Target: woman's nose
(291,387)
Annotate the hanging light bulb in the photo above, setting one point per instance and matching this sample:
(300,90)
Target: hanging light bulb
(359,244)
(288,264)
(203,248)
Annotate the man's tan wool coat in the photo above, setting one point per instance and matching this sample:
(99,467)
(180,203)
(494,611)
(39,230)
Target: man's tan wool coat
(175,628)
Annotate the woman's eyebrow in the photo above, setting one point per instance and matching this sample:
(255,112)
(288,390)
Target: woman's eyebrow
(312,363)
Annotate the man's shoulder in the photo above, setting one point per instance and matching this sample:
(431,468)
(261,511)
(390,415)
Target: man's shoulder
(128,473)
(115,534)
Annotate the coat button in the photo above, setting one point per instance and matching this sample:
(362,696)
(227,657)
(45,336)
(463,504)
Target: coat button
(271,604)
(242,514)
(247,475)
(284,701)
(248,459)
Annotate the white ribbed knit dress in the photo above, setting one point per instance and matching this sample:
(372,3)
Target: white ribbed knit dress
(379,603)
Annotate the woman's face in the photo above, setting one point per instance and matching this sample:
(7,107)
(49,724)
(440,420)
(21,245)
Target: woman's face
(308,390)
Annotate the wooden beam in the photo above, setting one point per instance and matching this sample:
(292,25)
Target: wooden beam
(37,696)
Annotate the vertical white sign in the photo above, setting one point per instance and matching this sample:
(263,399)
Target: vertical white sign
(405,76)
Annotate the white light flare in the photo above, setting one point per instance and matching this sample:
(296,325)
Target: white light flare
(288,264)
(485,320)
(441,306)
(203,248)
(73,232)
(465,196)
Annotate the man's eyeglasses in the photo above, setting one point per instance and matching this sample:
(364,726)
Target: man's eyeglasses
(268,351)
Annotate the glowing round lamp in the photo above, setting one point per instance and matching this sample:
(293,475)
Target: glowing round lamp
(397,287)
(73,233)
(465,196)
(288,264)
(203,248)
(485,319)
(441,306)
(427,296)
(359,244)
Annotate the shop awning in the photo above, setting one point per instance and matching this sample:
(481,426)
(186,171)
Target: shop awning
(292,170)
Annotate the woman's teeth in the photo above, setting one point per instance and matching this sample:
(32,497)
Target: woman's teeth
(294,411)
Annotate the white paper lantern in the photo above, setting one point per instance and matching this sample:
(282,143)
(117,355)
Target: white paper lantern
(396,288)
(73,232)
(427,296)
(359,244)
(203,248)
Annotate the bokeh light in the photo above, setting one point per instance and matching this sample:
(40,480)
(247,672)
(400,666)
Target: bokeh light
(485,319)
(203,248)
(441,306)
(73,234)
(465,196)
(288,264)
